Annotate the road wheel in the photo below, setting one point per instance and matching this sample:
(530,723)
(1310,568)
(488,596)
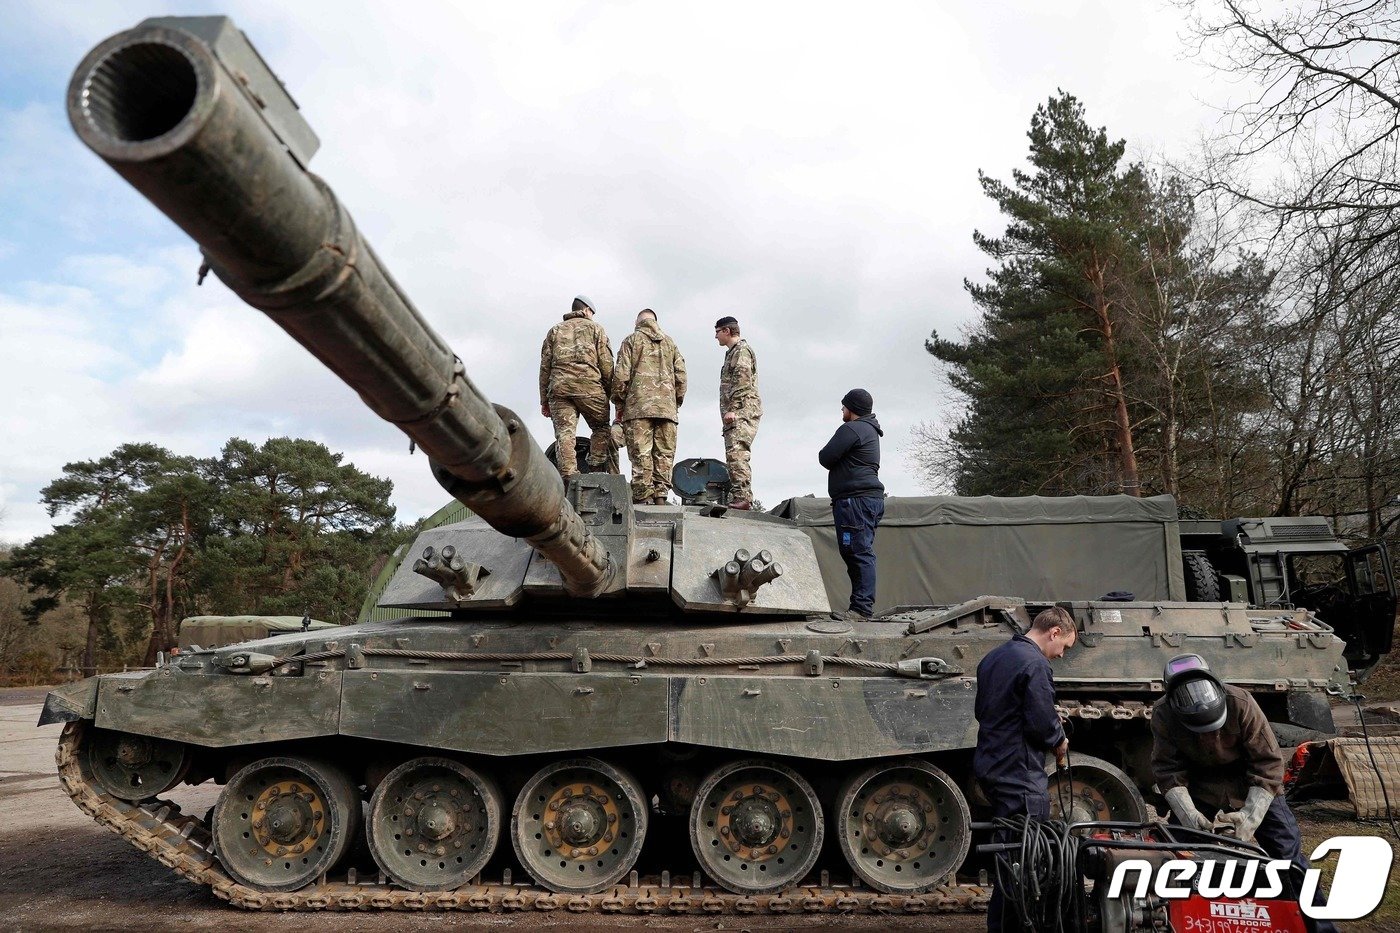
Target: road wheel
(282,822)
(1092,790)
(903,826)
(433,824)
(134,767)
(756,826)
(578,825)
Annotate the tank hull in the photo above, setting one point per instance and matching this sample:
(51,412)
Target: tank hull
(512,687)
(662,701)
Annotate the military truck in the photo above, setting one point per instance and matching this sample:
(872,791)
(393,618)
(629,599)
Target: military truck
(624,708)
(945,549)
(1288,562)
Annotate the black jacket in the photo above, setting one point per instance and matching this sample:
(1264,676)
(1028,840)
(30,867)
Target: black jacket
(853,457)
(1016,719)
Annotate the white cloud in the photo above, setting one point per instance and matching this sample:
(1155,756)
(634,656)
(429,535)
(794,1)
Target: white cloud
(55,406)
(812,172)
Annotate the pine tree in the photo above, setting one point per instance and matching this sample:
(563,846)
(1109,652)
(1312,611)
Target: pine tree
(1042,370)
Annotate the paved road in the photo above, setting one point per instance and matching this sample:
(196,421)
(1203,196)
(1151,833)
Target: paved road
(59,870)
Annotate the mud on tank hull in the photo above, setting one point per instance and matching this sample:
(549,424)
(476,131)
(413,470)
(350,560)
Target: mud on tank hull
(833,755)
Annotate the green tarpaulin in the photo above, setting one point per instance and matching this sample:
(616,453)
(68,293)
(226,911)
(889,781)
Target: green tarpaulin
(939,550)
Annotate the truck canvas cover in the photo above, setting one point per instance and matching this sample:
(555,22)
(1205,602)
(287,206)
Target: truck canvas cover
(940,550)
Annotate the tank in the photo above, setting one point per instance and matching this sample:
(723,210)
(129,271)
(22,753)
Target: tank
(584,704)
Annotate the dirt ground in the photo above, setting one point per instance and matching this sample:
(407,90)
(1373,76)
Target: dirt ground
(61,871)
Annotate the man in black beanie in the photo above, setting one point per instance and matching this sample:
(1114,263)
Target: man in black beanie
(857,496)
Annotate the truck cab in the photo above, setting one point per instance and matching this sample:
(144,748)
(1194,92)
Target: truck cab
(1297,562)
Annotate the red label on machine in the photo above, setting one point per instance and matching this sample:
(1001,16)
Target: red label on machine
(1235,915)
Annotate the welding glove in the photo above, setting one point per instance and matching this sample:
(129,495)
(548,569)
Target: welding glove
(1179,799)
(1247,819)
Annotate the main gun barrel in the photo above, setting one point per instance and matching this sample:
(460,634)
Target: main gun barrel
(191,131)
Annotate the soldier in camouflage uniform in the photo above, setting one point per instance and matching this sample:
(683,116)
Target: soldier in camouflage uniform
(576,369)
(648,389)
(739,409)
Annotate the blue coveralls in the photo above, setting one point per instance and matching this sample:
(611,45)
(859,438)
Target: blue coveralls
(1016,725)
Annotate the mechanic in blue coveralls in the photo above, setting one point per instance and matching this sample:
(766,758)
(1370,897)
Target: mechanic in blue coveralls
(1017,725)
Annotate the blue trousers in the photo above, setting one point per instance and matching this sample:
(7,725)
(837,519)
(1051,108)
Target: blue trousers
(1279,836)
(856,520)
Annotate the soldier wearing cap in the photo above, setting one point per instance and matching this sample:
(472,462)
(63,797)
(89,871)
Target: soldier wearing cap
(1214,750)
(648,388)
(576,371)
(739,409)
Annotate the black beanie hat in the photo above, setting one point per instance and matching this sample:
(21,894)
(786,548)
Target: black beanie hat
(859,402)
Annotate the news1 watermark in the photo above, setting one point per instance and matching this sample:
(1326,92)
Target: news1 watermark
(1358,883)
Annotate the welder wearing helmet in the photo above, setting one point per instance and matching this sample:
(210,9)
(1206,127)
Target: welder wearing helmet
(1213,750)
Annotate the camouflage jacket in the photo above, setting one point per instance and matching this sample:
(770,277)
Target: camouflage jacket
(576,360)
(738,383)
(649,380)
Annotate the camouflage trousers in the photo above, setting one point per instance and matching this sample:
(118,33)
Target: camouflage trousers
(651,447)
(564,412)
(738,441)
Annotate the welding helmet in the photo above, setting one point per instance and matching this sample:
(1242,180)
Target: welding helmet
(1194,694)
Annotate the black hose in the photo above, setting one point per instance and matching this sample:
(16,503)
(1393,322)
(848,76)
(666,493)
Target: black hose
(1040,873)
(1356,698)
(1039,877)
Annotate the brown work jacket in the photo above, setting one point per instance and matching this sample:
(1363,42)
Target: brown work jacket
(1218,768)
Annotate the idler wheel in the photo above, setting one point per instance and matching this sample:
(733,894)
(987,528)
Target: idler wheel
(578,825)
(1092,790)
(281,822)
(433,824)
(756,826)
(134,767)
(903,826)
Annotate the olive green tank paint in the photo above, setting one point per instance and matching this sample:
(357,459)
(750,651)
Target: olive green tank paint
(77,700)
(828,718)
(504,713)
(220,711)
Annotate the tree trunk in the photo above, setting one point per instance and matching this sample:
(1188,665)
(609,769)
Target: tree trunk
(94,615)
(1123,426)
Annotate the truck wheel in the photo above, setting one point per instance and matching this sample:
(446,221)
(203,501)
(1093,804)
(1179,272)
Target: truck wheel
(1202,584)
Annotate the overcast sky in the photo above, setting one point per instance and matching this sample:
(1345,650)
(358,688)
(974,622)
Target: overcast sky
(809,169)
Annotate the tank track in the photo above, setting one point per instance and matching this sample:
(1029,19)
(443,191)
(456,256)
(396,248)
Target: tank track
(183,843)
(1102,709)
